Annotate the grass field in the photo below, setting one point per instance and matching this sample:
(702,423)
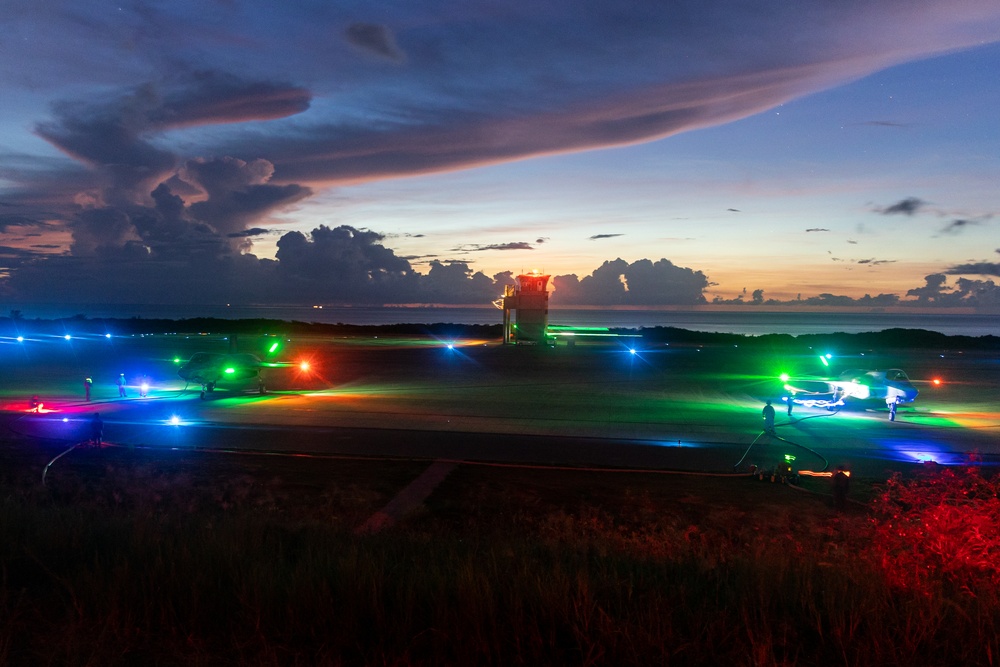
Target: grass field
(128,557)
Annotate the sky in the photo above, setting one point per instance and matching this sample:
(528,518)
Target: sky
(643,154)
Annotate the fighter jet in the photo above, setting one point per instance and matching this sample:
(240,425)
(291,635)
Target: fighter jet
(890,386)
(210,368)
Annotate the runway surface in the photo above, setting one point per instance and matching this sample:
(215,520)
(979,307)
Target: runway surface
(681,408)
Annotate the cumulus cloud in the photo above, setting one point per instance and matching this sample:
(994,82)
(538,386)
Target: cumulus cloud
(116,136)
(646,283)
(237,192)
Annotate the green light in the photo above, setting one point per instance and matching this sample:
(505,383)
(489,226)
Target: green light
(273,348)
(783,377)
(823,359)
(230,370)
(789,458)
(177,360)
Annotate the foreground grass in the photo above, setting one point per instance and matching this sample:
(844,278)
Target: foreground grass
(165,558)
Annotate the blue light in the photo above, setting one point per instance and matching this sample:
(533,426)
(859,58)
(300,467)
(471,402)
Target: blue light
(107,335)
(20,339)
(631,350)
(67,337)
(175,421)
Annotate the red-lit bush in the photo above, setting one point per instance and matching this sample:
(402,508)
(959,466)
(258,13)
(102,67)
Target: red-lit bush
(940,529)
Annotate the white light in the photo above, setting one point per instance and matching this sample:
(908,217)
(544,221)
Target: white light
(451,346)
(107,335)
(65,420)
(631,350)
(67,337)
(20,339)
(175,420)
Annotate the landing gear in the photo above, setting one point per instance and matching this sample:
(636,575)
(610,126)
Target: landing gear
(210,386)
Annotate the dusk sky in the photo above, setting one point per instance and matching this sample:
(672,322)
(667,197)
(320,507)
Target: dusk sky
(643,153)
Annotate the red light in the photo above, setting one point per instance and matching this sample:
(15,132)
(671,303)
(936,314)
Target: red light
(937,381)
(304,366)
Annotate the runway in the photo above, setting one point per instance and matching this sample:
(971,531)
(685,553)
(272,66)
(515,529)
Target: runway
(690,408)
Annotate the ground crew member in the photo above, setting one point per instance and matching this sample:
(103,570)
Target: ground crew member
(891,404)
(768,414)
(121,385)
(87,382)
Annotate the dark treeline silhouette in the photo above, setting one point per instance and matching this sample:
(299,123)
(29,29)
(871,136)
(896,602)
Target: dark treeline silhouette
(80,325)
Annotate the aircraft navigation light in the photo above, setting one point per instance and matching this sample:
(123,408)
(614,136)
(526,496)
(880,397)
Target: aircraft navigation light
(936,381)
(274,346)
(67,337)
(20,339)
(65,420)
(230,370)
(304,365)
(175,421)
(631,350)
(177,360)
(824,360)
(783,377)
(451,346)
(107,335)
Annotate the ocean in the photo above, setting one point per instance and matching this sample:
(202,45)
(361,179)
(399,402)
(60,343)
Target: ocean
(747,321)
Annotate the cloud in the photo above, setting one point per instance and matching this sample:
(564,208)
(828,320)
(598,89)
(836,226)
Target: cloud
(476,247)
(376,39)
(237,192)
(976,268)
(958,226)
(876,262)
(597,237)
(116,136)
(253,231)
(641,283)
(908,206)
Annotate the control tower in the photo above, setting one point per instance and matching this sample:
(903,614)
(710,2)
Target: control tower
(529,297)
